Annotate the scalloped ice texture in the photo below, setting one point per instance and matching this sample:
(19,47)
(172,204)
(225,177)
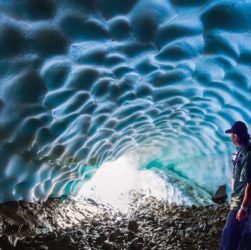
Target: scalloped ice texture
(85,82)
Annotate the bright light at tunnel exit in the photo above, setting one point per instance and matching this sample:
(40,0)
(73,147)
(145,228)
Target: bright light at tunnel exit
(114,181)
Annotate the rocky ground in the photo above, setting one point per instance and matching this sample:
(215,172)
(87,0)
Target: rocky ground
(65,223)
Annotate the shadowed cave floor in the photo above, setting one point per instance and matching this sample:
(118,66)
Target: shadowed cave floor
(65,223)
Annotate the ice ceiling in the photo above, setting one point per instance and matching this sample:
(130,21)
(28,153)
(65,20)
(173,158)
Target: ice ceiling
(87,81)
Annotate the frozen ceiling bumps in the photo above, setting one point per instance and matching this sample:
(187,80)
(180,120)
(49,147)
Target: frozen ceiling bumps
(85,81)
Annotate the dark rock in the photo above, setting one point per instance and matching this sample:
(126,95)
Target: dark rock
(115,234)
(220,195)
(109,246)
(131,235)
(100,239)
(135,245)
(213,230)
(133,225)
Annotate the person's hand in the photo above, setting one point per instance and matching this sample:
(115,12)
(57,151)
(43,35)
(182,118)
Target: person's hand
(241,214)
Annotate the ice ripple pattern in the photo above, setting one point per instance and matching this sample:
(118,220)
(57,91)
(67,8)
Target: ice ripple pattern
(83,82)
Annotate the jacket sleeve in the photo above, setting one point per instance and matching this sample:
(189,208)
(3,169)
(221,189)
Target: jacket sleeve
(246,170)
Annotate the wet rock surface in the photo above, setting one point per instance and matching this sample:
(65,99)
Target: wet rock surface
(65,223)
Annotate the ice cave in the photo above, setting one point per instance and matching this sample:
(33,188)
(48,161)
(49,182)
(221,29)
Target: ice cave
(148,87)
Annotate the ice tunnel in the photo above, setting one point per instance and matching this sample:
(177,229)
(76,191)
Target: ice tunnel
(86,82)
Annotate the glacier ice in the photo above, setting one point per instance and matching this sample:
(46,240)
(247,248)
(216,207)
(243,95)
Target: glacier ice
(85,82)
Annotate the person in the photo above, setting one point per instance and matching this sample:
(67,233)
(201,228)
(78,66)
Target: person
(236,234)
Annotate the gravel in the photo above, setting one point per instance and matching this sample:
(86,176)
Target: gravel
(65,223)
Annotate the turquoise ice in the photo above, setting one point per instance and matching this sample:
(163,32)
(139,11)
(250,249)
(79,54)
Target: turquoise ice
(86,82)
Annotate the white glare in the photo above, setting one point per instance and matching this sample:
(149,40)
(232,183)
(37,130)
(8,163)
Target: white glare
(114,180)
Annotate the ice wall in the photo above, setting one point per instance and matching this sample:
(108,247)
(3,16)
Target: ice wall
(85,81)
